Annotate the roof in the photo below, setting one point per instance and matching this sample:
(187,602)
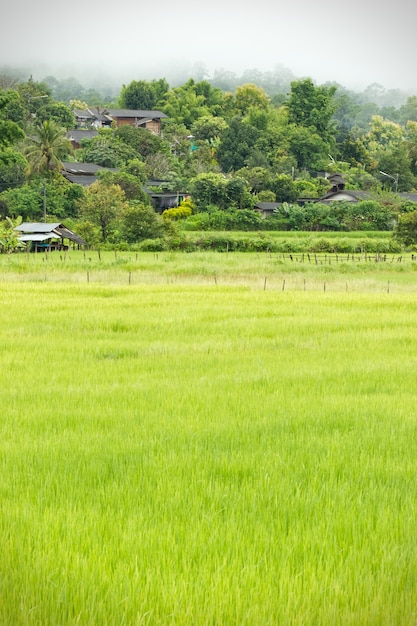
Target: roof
(37,227)
(81,168)
(84,181)
(344,194)
(408,196)
(267,206)
(37,237)
(83,113)
(84,174)
(78,134)
(40,231)
(135,113)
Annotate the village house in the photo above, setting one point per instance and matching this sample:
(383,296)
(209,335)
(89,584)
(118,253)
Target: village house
(91,118)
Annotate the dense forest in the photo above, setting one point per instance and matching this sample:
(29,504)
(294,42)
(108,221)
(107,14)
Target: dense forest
(225,145)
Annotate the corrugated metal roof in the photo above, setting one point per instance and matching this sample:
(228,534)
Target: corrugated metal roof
(37,237)
(85,181)
(37,227)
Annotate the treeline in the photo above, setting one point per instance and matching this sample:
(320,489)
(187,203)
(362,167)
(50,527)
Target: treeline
(226,150)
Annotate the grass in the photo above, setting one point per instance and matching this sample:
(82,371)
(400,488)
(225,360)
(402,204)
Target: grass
(186,452)
(301,271)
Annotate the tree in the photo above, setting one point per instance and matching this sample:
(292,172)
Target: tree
(258,178)
(309,149)
(406,229)
(102,205)
(58,112)
(143,94)
(313,107)
(208,189)
(284,189)
(189,102)
(237,193)
(131,185)
(139,221)
(9,237)
(237,143)
(208,127)
(26,201)
(250,96)
(408,111)
(141,140)
(13,166)
(10,132)
(107,150)
(46,147)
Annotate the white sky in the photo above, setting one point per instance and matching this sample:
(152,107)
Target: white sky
(353,43)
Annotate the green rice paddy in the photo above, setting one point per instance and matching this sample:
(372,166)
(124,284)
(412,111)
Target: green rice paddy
(183,441)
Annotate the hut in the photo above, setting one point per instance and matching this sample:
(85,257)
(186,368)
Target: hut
(43,236)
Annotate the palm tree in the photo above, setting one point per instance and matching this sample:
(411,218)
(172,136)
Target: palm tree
(47,146)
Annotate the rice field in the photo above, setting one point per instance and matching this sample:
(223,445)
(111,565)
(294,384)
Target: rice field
(179,450)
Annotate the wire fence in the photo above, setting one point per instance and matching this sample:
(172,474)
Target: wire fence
(279,272)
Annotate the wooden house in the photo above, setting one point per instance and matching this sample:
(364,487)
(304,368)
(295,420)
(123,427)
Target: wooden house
(95,118)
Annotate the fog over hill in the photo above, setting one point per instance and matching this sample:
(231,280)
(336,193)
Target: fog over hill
(355,45)
(108,83)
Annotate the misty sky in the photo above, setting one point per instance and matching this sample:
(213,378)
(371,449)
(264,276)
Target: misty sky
(352,43)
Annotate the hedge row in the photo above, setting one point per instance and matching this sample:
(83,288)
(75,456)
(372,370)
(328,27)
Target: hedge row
(226,243)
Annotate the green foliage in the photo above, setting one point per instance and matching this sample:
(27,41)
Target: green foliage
(57,112)
(258,178)
(269,151)
(208,189)
(284,188)
(237,142)
(102,205)
(143,94)
(178,213)
(9,237)
(266,196)
(313,107)
(89,232)
(26,201)
(250,96)
(130,184)
(237,193)
(137,168)
(310,151)
(406,229)
(208,127)
(141,140)
(365,215)
(13,168)
(10,132)
(71,199)
(218,190)
(107,150)
(140,222)
(46,146)
(215,219)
